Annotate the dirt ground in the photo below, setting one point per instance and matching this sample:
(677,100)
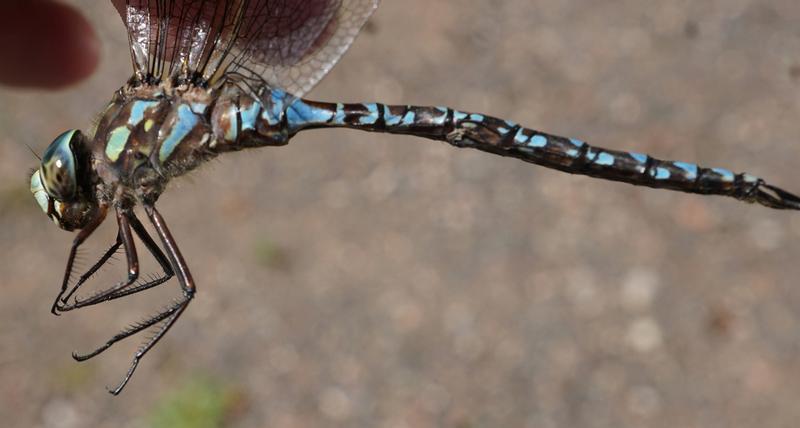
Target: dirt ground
(351,279)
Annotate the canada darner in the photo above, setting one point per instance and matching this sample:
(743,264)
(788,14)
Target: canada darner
(211,77)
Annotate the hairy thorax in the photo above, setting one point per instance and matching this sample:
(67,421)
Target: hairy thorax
(147,135)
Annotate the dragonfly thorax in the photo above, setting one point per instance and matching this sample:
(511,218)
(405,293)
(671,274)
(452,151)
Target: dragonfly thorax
(147,135)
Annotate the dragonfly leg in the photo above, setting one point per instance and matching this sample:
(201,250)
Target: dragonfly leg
(174,312)
(108,254)
(82,236)
(168,316)
(155,251)
(126,237)
(127,332)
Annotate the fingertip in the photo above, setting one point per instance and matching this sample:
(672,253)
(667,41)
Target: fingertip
(45,44)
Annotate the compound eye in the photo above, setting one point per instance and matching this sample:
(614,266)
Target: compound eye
(42,198)
(58,169)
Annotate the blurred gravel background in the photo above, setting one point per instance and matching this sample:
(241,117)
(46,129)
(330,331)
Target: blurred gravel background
(364,280)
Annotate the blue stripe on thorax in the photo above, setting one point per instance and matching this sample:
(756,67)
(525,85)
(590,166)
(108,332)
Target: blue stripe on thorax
(137,111)
(187,120)
(117,139)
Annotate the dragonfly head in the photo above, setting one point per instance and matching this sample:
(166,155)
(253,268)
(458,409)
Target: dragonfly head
(60,184)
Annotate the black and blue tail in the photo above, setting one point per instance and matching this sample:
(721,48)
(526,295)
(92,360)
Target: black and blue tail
(506,138)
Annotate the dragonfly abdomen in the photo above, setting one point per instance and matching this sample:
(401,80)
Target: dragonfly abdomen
(240,121)
(506,138)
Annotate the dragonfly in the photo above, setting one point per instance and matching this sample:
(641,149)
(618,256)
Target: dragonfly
(211,77)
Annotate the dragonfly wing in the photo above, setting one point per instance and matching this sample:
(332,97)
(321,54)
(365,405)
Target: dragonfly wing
(289,44)
(308,54)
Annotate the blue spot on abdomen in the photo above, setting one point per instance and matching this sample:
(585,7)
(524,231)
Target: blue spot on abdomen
(727,175)
(639,157)
(690,168)
(661,173)
(604,159)
(538,141)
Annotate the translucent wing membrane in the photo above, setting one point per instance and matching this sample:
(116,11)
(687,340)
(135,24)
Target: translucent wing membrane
(290,44)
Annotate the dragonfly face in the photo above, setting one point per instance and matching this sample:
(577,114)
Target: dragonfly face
(60,186)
